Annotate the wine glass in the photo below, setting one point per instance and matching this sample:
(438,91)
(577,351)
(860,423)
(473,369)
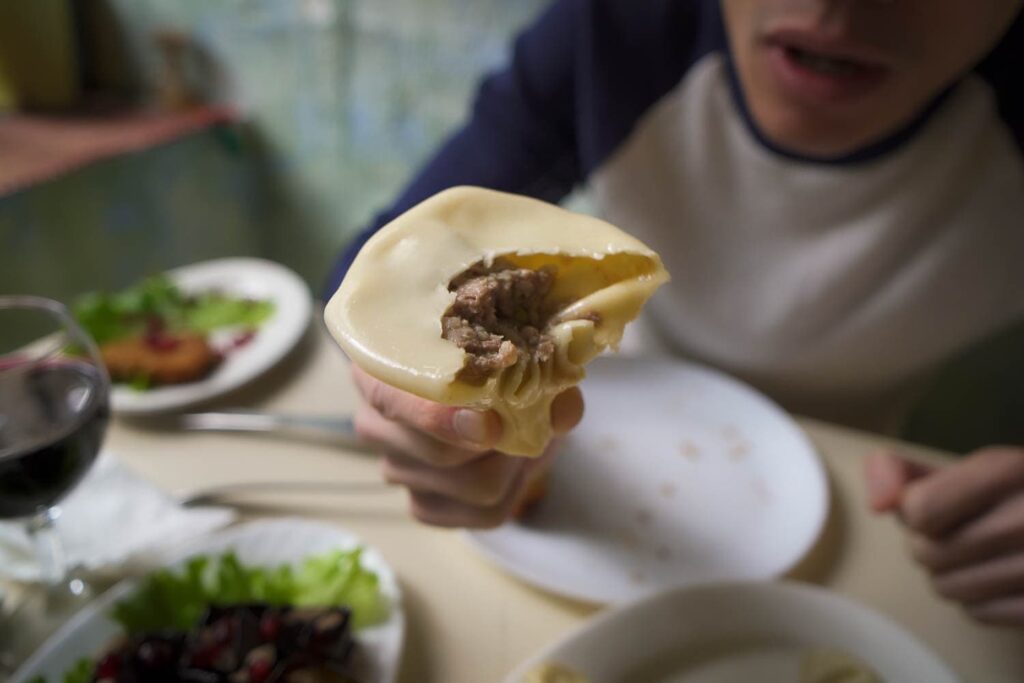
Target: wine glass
(54,408)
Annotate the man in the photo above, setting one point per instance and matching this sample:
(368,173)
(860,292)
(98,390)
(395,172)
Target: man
(837,188)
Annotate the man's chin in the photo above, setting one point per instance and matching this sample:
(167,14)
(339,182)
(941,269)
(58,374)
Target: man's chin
(813,137)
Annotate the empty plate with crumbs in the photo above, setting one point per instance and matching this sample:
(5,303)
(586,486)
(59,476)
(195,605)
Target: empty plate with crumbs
(678,474)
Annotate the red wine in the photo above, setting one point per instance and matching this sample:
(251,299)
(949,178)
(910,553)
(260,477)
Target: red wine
(52,421)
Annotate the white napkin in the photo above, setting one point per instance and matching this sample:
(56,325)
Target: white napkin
(108,521)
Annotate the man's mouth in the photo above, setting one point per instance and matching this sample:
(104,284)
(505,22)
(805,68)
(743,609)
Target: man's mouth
(828,66)
(819,71)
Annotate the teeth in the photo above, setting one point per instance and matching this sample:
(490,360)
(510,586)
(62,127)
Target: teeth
(825,65)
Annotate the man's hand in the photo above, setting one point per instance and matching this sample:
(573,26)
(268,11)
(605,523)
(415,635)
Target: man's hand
(965,525)
(444,455)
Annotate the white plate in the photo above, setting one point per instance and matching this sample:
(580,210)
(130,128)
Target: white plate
(266,543)
(243,277)
(733,633)
(677,474)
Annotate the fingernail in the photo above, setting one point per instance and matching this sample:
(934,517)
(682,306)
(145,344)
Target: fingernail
(883,491)
(878,493)
(874,478)
(471,426)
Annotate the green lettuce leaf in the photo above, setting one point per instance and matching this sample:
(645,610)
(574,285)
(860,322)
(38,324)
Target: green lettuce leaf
(110,316)
(323,580)
(211,311)
(107,317)
(177,599)
(81,672)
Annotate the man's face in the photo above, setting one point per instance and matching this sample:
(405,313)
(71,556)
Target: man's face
(826,77)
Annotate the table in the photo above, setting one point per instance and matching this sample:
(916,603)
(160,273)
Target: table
(470,623)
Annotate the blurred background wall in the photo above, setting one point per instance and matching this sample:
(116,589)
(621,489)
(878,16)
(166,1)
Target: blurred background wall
(337,102)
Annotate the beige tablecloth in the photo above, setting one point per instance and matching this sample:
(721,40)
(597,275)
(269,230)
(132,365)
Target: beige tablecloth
(470,623)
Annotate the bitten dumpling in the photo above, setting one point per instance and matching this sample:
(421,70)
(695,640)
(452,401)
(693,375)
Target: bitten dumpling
(491,300)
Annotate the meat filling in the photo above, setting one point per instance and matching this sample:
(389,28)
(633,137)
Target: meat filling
(498,318)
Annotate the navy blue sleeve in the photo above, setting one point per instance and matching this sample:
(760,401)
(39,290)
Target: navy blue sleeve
(1002,68)
(521,134)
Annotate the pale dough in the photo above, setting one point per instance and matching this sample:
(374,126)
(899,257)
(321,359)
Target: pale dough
(387,312)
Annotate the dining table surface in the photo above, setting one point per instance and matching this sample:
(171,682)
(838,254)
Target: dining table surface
(467,621)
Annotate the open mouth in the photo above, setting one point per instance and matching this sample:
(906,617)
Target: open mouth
(823,73)
(822,64)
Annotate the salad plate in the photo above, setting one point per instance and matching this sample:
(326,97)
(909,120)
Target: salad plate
(247,351)
(262,544)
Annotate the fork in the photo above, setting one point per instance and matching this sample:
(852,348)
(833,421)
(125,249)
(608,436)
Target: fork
(339,429)
(205,495)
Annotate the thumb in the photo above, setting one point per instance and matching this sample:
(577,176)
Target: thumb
(887,475)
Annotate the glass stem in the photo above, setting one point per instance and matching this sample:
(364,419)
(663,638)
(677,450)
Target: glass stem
(49,550)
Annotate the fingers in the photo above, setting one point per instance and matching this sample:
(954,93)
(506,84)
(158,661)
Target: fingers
(443,454)
(535,484)
(1000,612)
(935,505)
(539,467)
(966,524)
(998,533)
(566,411)
(485,481)
(982,564)
(999,578)
(887,476)
(482,493)
(393,437)
(468,431)
(460,427)
(440,511)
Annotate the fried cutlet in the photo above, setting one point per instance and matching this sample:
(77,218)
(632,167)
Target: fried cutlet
(160,359)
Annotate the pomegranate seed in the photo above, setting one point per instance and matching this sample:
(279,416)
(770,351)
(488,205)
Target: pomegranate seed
(154,654)
(222,630)
(270,626)
(162,342)
(260,671)
(154,325)
(109,666)
(203,659)
(242,339)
